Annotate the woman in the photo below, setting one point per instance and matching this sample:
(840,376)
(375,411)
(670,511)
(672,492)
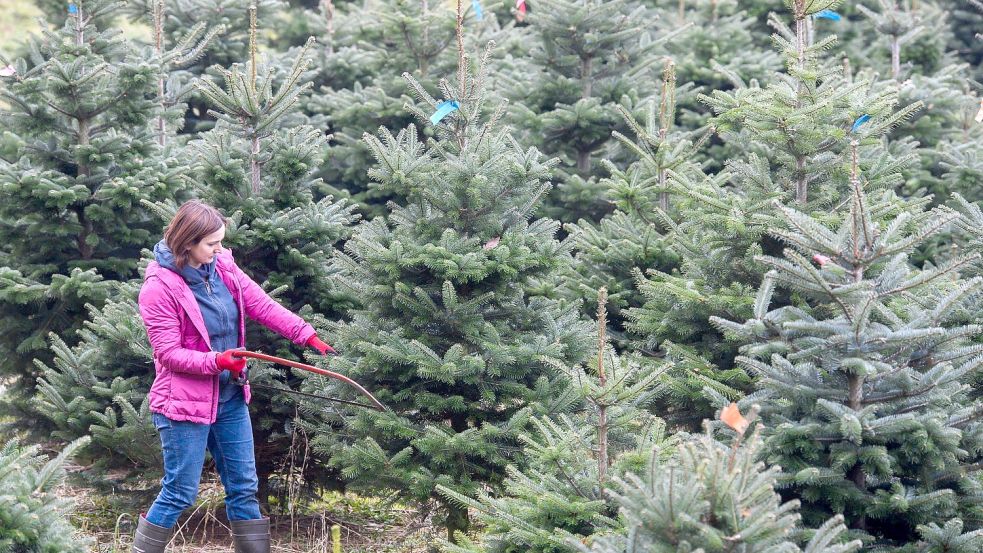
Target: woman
(194,302)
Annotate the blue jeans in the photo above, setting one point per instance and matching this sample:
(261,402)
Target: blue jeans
(230,441)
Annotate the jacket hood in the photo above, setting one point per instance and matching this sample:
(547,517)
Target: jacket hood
(165,258)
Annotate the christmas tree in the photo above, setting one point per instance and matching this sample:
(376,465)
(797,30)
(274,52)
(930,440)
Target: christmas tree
(33,517)
(259,168)
(446,335)
(173,84)
(609,253)
(587,59)
(708,496)
(259,171)
(71,216)
(790,135)
(173,20)
(597,430)
(366,49)
(863,380)
(905,43)
(99,387)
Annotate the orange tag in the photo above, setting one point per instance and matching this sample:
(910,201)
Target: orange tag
(733,418)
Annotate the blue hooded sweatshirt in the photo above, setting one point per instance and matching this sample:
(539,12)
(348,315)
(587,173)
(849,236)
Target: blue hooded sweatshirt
(218,309)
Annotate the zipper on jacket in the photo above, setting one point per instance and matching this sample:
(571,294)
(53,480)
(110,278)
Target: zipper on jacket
(208,286)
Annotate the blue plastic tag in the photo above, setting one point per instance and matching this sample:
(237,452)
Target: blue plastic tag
(859,122)
(443,109)
(73,9)
(476,6)
(828,14)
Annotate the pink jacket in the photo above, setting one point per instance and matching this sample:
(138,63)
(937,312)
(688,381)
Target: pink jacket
(186,385)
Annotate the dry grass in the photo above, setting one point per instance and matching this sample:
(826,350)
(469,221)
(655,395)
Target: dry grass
(366,525)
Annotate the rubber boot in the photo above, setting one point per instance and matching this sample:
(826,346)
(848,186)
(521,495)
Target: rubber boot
(150,538)
(251,536)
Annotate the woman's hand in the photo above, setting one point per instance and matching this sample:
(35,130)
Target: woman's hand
(320,346)
(234,365)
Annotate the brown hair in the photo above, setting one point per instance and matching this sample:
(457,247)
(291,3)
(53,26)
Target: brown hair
(193,221)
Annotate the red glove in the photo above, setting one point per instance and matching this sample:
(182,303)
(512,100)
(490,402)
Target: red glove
(320,346)
(234,365)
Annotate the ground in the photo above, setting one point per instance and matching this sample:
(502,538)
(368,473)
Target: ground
(367,524)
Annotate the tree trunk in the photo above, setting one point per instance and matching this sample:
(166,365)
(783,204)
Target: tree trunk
(583,164)
(81,240)
(263,474)
(664,195)
(801,184)
(158,12)
(602,413)
(801,39)
(895,57)
(264,469)
(855,398)
(79,33)
(457,521)
(254,166)
(586,74)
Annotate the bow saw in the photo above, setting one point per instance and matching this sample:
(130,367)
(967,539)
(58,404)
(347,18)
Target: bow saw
(376,404)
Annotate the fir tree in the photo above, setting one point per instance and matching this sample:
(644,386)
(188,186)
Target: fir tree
(720,44)
(898,24)
(905,43)
(597,430)
(260,172)
(799,121)
(258,167)
(446,335)
(173,20)
(609,253)
(99,388)
(33,516)
(709,496)
(793,134)
(588,58)
(366,49)
(864,383)
(71,217)
(365,53)
(173,83)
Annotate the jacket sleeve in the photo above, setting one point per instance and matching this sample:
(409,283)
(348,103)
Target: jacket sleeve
(260,307)
(160,312)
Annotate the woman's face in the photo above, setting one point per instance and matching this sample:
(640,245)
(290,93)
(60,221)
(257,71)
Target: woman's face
(206,249)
